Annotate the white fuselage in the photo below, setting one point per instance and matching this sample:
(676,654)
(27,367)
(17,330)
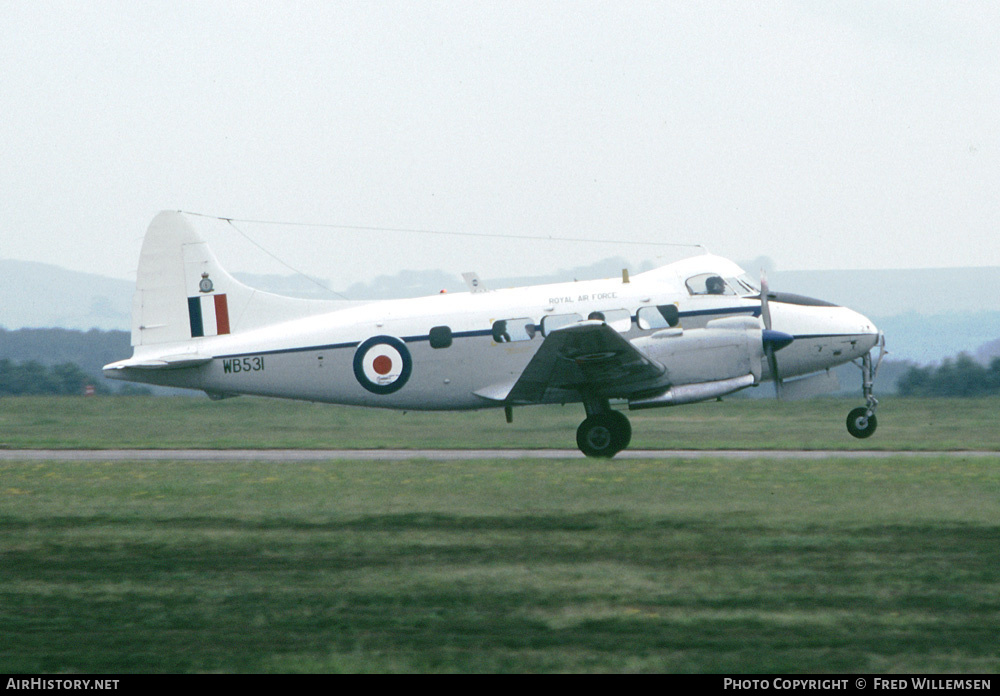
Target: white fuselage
(319,358)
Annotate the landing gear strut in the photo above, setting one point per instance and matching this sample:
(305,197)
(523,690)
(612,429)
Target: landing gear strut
(861,421)
(605,432)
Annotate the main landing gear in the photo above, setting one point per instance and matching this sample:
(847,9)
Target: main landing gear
(605,432)
(861,421)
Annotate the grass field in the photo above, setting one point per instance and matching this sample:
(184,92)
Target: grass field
(711,565)
(149,422)
(707,566)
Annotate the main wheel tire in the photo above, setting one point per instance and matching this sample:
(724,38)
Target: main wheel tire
(604,434)
(623,430)
(860,424)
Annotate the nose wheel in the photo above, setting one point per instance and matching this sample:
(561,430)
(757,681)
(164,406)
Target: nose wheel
(861,421)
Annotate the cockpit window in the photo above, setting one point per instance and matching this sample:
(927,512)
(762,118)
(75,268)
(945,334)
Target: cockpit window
(745,285)
(708,284)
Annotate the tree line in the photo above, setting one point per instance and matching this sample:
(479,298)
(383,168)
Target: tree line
(61,361)
(32,378)
(961,376)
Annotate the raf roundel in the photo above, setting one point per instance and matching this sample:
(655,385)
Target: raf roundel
(382,364)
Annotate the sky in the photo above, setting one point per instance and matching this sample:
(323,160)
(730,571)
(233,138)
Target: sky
(850,135)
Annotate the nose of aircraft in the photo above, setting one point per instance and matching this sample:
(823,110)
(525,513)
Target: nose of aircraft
(861,326)
(825,335)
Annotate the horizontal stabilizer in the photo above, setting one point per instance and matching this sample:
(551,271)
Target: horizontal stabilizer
(168,362)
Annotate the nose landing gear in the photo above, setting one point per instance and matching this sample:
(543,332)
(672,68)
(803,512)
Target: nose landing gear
(861,421)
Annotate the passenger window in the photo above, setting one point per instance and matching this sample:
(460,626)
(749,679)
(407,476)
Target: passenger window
(708,284)
(511,330)
(554,321)
(440,337)
(661,317)
(618,319)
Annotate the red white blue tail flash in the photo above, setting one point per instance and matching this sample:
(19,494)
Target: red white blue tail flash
(209,315)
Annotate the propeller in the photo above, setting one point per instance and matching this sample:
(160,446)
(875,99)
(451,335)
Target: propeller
(773,340)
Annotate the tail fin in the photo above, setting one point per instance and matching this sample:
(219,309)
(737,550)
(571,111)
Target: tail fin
(183,294)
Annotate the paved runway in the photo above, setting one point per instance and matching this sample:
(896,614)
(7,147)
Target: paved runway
(299,455)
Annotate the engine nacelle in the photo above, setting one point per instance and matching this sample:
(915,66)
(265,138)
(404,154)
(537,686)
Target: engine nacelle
(725,349)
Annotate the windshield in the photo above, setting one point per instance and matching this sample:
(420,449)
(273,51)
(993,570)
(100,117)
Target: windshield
(708,284)
(745,285)
(714,284)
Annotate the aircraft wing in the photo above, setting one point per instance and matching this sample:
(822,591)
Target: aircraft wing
(588,356)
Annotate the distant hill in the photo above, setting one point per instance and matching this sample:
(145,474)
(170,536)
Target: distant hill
(927,314)
(90,350)
(988,351)
(42,295)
